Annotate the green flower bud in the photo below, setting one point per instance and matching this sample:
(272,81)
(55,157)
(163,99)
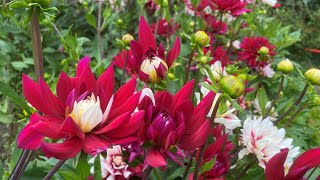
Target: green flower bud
(203,59)
(127,38)
(201,38)
(243,77)
(313,76)
(285,66)
(43,3)
(119,22)
(232,85)
(171,76)
(191,23)
(164,3)
(264,50)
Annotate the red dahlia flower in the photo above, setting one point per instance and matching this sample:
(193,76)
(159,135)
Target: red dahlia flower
(149,60)
(172,123)
(251,47)
(201,6)
(85,115)
(234,7)
(120,59)
(165,28)
(215,26)
(275,169)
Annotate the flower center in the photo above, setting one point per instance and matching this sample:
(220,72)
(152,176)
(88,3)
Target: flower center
(87,113)
(164,123)
(117,160)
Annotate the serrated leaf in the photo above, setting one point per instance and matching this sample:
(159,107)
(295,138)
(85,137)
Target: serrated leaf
(8,91)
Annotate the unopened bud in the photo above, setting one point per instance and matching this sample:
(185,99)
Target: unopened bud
(264,50)
(127,38)
(119,22)
(203,59)
(285,66)
(243,77)
(191,23)
(232,85)
(171,76)
(201,38)
(313,76)
(164,3)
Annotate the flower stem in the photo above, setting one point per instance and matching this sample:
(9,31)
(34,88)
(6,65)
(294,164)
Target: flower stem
(245,169)
(276,98)
(147,173)
(188,66)
(99,30)
(16,171)
(294,105)
(295,115)
(54,170)
(189,165)
(204,146)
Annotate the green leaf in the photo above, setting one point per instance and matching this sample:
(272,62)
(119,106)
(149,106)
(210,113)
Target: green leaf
(234,103)
(19,65)
(210,87)
(262,99)
(97,168)
(8,91)
(208,165)
(69,175)
(176,174)
(1,169)
(91,20)
(18,4)
(83,167)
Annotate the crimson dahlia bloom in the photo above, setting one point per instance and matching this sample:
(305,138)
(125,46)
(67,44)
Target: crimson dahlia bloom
(165,28)
(173,124)
(275,169)
(85,115)
(234,7)
(215,26)
(120,59)
(148,60)
(250,51)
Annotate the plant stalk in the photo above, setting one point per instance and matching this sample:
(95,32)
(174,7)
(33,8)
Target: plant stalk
(189,165)
(276,98)
(99,30)
(147,173)
(54,170)
(188,66)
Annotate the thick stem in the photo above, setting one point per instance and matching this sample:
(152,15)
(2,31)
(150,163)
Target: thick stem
(99,30)
(30,156)
(275,98)
(54,170)
(188,66)
(20,164)
(294,105)
(147,173)
(203,147)
(189,165)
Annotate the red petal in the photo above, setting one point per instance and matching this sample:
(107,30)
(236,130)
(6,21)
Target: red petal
(86,81)
(189,142)
(124,93)
(275,168)
(155,159)
(83,64)
(116,123)
(29,137)
(174,52)
(183,95)
(64,87)
(146,37)
(309,159)
(106,83)
(93,144)
(161,51)
(70,128)
(62,151)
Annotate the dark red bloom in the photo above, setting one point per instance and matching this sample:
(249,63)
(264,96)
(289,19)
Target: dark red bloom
(151,7)
(275,168)
(234,7)
(165,28)
(250,47)
(214,25)
(148,60)
(85,115)
(172,123)
(201,6)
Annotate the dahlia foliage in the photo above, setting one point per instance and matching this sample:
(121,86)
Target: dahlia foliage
(202,96)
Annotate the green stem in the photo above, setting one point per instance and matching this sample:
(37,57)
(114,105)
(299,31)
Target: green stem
(188,66)
(294,105)
(204,146)
(275,98)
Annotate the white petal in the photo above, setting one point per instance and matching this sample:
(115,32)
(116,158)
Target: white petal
(107,111)
(243,152)
(147,92)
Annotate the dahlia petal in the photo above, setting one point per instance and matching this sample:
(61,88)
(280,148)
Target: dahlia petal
(137,52)
(106,82)
(124,92)
(48,128)
(171,139)
(146,36)
(126,140)
(70,128)
(189,142)
(155,159)
(275,168)
(161,51)
(86,81)
(309,159)
(29,137)
(83,64)
(183,94)
(148,93)
(114,124)
(174,52)
(143,77)
(62,151)
(93,144)
(215,148)
(64,87)
(163,99)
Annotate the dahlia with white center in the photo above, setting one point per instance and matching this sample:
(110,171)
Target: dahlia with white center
(113,165)
(264,140)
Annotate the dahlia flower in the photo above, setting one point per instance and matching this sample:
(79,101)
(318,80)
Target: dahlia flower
(215,26)
(276,169)
(120,59)
(148,60)
(113,166)
(172,124)
(203,4)
(85,115)
(250,51)
(272,3)
(165,28)
(233,7)
(220,54)
(264,140)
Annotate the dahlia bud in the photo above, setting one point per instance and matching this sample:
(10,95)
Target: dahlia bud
(43,3)
(243,77)
(313,76)
(203,59)
(171,76)
(201,38)
(232,85)
(165,3)
(155,68)
(264,50)
(127,38)
(191,23)
(285,66)
(119,22)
